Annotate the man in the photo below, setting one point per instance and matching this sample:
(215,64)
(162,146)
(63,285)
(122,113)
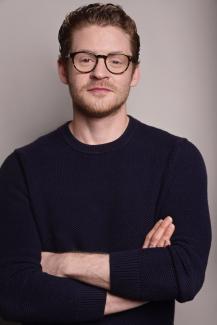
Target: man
(86,209)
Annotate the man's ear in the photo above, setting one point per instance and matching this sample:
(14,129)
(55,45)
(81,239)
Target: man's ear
(62,71)
(135,76)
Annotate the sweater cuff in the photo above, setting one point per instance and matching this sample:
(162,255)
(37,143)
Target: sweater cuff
(125,273)
(91,304)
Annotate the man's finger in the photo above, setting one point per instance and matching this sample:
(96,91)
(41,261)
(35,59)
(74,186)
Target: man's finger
(158,234)
(151,232)
(165,240)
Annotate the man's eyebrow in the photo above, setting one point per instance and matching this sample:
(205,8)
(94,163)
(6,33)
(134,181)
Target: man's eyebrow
(96,52)
(117,52)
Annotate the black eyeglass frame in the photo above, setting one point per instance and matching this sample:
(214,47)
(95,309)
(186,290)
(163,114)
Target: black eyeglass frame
(72,55)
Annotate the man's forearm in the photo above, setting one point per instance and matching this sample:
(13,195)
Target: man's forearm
(115,304)
(91,268)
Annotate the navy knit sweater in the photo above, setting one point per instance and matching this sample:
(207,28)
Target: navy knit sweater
(59,194)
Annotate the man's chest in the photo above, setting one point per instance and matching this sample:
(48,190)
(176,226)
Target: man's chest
(96,209)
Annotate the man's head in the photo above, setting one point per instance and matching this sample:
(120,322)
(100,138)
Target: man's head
(101,15)
(100,30)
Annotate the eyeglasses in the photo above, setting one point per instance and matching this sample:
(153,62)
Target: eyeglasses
(86,62)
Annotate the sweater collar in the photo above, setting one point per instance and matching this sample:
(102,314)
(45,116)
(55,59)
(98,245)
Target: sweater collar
(99,148)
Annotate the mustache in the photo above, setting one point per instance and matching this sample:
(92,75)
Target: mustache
(100,85)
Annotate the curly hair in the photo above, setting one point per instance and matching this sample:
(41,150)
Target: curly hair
(102,15)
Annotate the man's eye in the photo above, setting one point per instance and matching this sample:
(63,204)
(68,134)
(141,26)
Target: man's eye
(86,60)
(115,62)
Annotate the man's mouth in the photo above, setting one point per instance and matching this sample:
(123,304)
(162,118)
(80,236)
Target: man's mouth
(99,89)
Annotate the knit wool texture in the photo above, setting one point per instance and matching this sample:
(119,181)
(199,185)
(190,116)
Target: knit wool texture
(58,194)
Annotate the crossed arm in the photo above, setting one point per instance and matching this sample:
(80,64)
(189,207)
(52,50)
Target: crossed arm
(27,294)
(93,268)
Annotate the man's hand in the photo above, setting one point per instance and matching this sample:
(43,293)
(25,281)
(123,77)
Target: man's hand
(160,234)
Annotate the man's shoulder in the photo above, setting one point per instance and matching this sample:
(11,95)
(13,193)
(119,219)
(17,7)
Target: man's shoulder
(42,151)
(157,137)
(160,142)
(47,143)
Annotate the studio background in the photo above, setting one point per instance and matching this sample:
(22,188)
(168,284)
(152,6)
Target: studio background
(177,91)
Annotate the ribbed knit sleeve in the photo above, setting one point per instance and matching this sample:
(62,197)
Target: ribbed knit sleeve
(26,293)
(176,272)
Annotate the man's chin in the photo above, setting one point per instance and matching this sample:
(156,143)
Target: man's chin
(96,112)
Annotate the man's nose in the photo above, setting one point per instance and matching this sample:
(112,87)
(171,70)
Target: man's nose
(100,71)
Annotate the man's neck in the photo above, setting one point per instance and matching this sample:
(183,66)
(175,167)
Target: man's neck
(95,131)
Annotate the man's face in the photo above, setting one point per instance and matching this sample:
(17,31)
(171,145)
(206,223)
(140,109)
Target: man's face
(87,97)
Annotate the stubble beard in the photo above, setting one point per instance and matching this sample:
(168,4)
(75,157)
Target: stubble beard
(97,107)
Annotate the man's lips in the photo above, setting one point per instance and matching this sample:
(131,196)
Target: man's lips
(99,89)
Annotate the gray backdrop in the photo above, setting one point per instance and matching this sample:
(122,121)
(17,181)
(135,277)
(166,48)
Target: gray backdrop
(177,91)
